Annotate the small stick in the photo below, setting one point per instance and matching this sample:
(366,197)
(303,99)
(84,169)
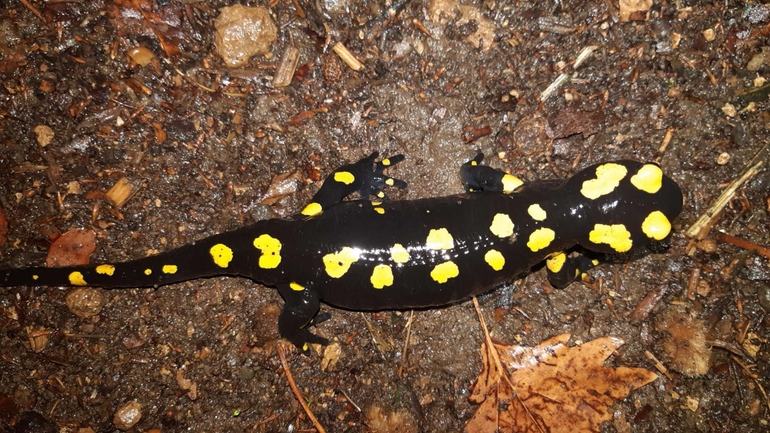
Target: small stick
(744,244)
(565,78)
(491,350)
(347,57)
(34,10)
(666,141)
(405,350)
(661,368)
(286,68)
(295,390)
(701,227)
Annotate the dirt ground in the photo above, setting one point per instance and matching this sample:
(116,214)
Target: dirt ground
(201,145)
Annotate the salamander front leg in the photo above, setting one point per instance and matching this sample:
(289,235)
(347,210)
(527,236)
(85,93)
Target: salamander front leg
(297,315)
(563,269)
(477,177)
(367,177)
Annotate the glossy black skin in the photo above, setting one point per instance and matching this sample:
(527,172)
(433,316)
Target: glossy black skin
(305,240)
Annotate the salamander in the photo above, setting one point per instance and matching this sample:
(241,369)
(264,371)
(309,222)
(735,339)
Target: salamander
(379,254)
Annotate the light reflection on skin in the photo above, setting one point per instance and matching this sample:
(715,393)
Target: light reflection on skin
(420,254)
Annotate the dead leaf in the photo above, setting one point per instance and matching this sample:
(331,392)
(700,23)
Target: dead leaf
(332,354)
(72,248)
(149,18)
(572,121)
(186,384)
(282,185)
(551,387)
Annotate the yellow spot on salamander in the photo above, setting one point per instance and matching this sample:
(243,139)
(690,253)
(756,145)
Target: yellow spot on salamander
(649,178)
(105,270)
(510,183)
(439,240)
(656,226)
(296,287)
(382,276)
(381,194)
(148,271)
(337,264)
(35,277)
(312,209)
(502,226)
(540,239)
(169,269)
(76,279)
(221,254)
(379,210)
(474,163)
(555,262)
(608,177)
(615,235)
(389,182)
(442,272)
(385,162)
(536,212)
(376,203)
(495,259)
(399,254)
(271,251)
(345,177)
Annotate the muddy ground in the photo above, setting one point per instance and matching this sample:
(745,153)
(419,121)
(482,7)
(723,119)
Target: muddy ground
(201,144)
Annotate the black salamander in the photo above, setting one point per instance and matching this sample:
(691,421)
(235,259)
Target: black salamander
(377,255)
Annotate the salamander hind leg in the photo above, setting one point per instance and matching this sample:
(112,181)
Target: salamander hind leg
(477,177)
(367,177)
(298,314)
(563,269)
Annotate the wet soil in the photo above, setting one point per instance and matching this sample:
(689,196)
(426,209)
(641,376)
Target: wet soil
(201,145)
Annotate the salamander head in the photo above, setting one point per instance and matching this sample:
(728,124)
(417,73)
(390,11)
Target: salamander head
(630,205)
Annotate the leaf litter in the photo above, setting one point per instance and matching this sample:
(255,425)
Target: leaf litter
(550,387)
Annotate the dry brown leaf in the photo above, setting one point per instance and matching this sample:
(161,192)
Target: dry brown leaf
(72,248)
(551,387)
(282,185)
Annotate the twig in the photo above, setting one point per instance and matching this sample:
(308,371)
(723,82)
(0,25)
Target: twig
(744,244)
(665,142)
(490,345)
(295,390)
(347,57)
(565,78)
(753,377)
(701,227)
(34,10)
(659,365)
(350,400)
(492,352)
(405,350)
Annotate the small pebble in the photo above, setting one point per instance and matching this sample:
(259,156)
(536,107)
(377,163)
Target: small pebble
(243,32)
(127,415)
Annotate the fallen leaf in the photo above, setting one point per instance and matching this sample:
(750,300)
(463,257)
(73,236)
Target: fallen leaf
(572,121)
(187,385)
(551,387)
(282,185)
(71,248)
(332,354)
